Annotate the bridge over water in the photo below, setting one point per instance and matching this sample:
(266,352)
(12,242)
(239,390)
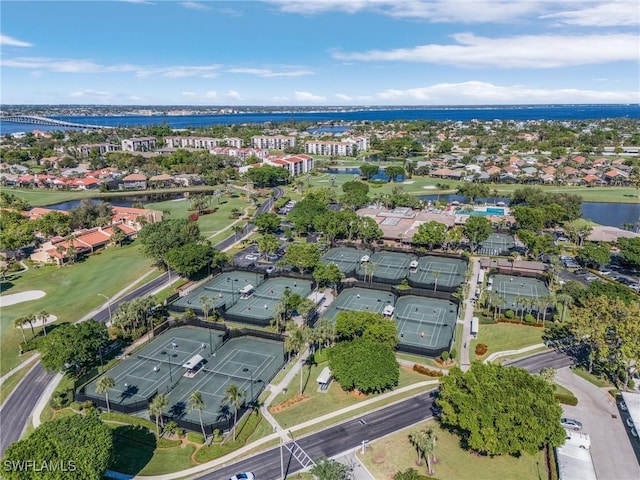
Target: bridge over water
(35,120)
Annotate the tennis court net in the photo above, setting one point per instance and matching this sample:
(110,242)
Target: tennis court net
(160,360)
(228,375)
(274,296)
(220,290)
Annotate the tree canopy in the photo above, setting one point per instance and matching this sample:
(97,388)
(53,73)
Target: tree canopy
(303,256)
(430,233)
(190,258)
(158,238)
(268,176)
(477,229)
(73,347)
(365,365)
(630,251)
(500,410)
(373,326)
(266,222)
(74,447)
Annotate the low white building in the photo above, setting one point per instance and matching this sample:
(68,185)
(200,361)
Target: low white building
(273,142)
(140,144)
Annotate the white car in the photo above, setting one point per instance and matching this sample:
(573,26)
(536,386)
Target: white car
(570,423)
(630,422)
(634,432)
(623,406)
(579,439)
(252,256)
(243,476)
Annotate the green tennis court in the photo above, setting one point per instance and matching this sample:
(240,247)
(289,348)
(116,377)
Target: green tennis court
(184,360)
(435,271)
(427,323)
(361,300)
(260,303)
(345,258)
(497,244)
(221,291)
(517,290)
(387,266)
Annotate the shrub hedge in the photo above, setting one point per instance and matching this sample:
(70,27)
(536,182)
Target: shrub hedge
(426,371)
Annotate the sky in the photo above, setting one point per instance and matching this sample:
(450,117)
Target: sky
(319,52)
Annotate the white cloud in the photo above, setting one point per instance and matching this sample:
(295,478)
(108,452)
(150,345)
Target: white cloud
(188,94)
(467,11)
(483,93)
(141,2)
(357,98)
(233,95)
(195,6)
(606,14)
(13,42)
(61,65)
(211,94)
(267,73)
(89,93)
(526,51)
(308,97)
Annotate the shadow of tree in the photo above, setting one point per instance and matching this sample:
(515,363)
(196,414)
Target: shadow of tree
(133,448)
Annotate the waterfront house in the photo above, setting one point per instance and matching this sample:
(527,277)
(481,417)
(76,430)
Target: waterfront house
(135,181)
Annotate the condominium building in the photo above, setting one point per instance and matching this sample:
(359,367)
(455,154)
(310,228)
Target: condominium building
(101,148)
(202,142)
(346,147)
(140,144)
(273,142)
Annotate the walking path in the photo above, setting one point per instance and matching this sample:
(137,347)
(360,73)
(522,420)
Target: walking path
(465,363)
(506,353)
(280,434)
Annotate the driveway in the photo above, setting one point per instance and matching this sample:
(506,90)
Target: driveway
(611,448)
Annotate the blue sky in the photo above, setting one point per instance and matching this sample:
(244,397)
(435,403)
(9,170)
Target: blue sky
(319,52)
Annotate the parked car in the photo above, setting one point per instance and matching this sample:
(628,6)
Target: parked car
(581,272)
(604,272)
(571,424)
(252,256)
(579,439)
(270,269)
(634,432)
(243,476)
(623,406)
(630,422)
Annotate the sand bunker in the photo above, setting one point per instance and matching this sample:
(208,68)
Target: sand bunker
(6,300)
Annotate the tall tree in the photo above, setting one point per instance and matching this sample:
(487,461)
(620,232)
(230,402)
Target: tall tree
(430,234)
(197,403)
(518,412)
(477,229)
(235,397)
(156,408)
(104,384)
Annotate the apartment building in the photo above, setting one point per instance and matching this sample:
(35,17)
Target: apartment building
(202,142)
(273,142)
(343,148)
(101,148)
(140,144)
(296,164)
(241,153)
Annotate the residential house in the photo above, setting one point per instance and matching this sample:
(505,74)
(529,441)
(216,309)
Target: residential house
(135,181)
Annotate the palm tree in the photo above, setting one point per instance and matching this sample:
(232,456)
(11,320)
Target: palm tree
(418,439)
(204,304)
(430,447)
(566,301)
(197,403)
(30,319)
(43,316)
(156,407)
(19,323)
(237,230)
(103,386)
(234,396)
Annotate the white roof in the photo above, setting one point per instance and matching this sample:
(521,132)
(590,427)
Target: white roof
(413,264)
(246,288)
(574,463)
(388,310)
(192,362)
(325,375)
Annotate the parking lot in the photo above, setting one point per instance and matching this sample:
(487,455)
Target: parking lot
(614,451)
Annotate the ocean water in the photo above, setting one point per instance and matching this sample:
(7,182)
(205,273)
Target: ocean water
(453,113)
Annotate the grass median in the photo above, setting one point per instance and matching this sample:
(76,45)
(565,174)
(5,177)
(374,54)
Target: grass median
(505,336)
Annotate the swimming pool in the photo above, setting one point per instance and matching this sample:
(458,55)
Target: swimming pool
(484,213)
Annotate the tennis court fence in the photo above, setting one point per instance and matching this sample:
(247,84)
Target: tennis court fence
(128,408)
(443,294)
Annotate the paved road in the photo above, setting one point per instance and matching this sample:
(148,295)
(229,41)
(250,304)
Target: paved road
(13,414)
(332,441)
(349,435)
(17,409)
(535,363)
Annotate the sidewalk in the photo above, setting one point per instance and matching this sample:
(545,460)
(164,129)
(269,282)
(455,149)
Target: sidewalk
(465,363)
(231,456)
(506,353)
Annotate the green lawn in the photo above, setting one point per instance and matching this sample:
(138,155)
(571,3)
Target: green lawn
(39,197)
(322,403)
(591,378)
(209,224)
(416,186)
(384,457)
(506,336)
(71,291)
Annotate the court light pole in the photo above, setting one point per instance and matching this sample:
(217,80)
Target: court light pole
(108,305)
(245,370)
